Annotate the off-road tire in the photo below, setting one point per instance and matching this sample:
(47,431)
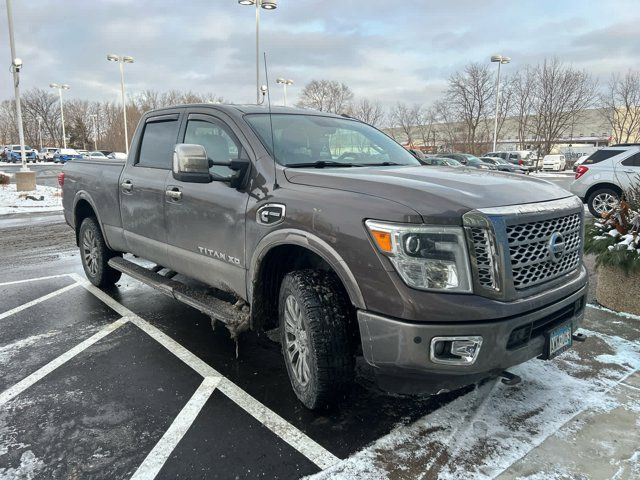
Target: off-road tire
(99,272)
(325,313)
(596,194)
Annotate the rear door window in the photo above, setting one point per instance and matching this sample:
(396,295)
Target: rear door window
(600,155)
(158,141)
(632,161)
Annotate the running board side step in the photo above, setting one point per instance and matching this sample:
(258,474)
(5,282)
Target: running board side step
(235,316)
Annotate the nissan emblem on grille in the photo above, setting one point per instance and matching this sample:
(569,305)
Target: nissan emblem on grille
(556,247)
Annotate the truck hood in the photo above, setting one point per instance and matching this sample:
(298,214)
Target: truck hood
(436,193)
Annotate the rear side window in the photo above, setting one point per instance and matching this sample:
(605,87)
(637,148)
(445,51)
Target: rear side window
(632,161)
(158,142)
(600,155)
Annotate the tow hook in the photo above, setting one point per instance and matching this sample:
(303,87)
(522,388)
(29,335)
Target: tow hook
(579,337)
(510,379)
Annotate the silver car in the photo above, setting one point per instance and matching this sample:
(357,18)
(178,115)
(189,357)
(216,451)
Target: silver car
(605,174)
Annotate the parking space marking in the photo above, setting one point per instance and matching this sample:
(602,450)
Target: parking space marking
(50,277)
(25,383)
(24,306)
(157,457)
(274,422)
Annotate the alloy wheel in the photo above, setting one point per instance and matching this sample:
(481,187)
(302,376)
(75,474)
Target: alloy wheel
(296,341)
(90,251)
(604,202)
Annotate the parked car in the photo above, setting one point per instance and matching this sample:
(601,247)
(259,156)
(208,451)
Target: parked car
(502,165)
(46,155)
(442,162)
(523,158)
(579,161)
(96,155)
(63,155)
(604,174)
(554,162)
(468,160)
(15,154)
(117,156)
(420,270)
(83,153)
(106,153)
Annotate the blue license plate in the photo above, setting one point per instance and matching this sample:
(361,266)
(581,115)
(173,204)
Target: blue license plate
(559,340)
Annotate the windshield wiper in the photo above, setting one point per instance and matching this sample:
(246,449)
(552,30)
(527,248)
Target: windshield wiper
(321,164)
(383,164)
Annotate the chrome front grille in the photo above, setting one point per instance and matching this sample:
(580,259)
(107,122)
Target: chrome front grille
(531,263)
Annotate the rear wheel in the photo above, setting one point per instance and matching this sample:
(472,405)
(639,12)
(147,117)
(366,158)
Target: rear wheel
(95,255)
(315,336)
(603,200)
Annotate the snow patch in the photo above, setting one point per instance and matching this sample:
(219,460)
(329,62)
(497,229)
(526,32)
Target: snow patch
(10,350)
(482,433)
(29,467)
(12,201)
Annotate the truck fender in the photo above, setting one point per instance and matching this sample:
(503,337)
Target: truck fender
(290,236)
(80,196)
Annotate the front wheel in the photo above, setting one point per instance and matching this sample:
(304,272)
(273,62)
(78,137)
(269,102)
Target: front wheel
(315,335)
(602,201)
(95,255)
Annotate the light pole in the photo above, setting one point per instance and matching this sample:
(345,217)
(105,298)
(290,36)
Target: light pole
(499,59)
(267,5)
(122,59)
(284,84)
(16,66)
(94,118)
(60,88)
(40,132)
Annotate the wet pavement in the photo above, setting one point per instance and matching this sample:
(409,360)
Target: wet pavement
(128,383)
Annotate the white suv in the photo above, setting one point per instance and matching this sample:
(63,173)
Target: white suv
(605,173)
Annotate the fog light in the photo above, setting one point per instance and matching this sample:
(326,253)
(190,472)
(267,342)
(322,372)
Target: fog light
(455,350)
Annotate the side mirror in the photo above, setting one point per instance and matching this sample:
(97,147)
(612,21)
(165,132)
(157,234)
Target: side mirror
(190,163)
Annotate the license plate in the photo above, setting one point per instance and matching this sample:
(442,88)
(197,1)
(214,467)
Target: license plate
(559,340)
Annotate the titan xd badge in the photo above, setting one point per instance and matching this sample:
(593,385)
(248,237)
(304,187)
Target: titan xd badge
(271,214)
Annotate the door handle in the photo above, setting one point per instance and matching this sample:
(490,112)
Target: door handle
(629,171)
(174,194)
(127,186)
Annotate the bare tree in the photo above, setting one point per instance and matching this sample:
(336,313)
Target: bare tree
(404,118)
(367,111)
(326,96)
(426,119)
(470,93)
(523,103)
(446,125)
(561,95)
(621,106)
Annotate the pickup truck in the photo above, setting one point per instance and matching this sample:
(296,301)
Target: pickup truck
(324,228)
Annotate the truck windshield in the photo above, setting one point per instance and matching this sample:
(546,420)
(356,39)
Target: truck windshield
(317,141)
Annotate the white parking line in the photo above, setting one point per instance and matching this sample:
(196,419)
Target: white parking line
(274,422)
(37,300)
(16,282)
(25,383)
(158,456)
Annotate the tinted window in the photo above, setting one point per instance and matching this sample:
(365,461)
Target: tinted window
(158,141)
(632,161)
(600,155)
(219,143)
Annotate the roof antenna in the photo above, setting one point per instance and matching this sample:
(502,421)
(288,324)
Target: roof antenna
(273,142)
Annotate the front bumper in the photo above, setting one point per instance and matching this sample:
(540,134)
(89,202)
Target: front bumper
(399,351)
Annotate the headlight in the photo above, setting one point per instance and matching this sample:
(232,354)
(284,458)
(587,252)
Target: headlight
(425,257)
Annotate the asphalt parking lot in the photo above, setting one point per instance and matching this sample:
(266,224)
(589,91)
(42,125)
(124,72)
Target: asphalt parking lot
(46,172)
(130,383)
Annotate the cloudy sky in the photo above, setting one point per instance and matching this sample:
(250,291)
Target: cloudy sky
(384,49)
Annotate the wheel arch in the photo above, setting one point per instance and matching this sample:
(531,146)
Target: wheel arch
(84,207)
(598,186)
(282,252)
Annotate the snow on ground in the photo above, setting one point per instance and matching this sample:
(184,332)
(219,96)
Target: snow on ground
(553,174)
(12,201)
(482,433)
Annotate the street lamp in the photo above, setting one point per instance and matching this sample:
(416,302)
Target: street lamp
(499,59)
(122,59)
(40,132)
(267,5)
(94,118)
(61,87)
(16,66)
(284,84)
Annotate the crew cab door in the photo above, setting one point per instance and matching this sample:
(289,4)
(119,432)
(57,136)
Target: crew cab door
(206,221)
(142,187)
(628,170)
